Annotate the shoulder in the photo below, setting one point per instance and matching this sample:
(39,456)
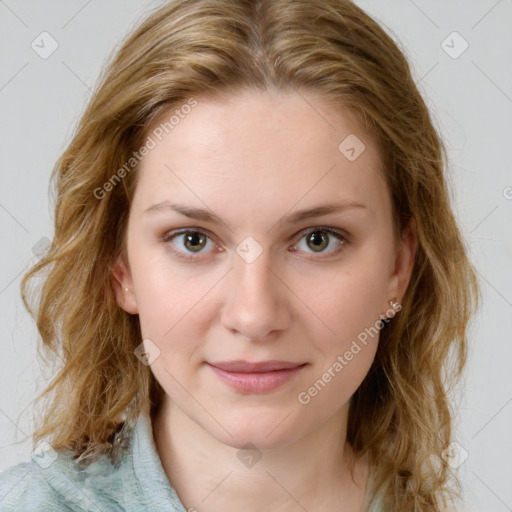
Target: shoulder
(56,483)
(128,478)
(23,488)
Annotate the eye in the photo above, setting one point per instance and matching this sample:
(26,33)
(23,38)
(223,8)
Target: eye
(193,242)
(318,239)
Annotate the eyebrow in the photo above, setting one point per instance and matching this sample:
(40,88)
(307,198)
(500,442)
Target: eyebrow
(294,218)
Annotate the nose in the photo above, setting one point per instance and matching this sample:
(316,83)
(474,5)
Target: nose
(257,299)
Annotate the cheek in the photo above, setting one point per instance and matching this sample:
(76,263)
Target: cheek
(332,386)
(174,312)
(165,293)
(346,351)
(351,300)
(350,304)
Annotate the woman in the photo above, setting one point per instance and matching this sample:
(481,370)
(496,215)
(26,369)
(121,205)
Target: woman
(249,284)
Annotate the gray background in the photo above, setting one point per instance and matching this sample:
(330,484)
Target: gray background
(471,100)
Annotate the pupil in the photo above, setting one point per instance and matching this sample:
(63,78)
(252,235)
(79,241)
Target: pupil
(194,239)
(319,241)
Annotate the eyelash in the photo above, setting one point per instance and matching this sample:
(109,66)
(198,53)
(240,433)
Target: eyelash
(341,235)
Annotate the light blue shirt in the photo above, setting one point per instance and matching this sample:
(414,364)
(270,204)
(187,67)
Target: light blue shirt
(138,483)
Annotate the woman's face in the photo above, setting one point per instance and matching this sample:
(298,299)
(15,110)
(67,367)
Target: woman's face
(248,275)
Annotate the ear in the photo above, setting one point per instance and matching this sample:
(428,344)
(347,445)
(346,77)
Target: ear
(404,262)
(123,287)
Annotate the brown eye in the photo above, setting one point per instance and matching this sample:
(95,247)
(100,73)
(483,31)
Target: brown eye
(318,240)
(194,241)
(186,243)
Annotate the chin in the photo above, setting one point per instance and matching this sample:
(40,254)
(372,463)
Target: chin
(263,431)
(251,440)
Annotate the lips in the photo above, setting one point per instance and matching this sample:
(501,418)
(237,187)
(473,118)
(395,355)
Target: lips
(258,377)
(239,366)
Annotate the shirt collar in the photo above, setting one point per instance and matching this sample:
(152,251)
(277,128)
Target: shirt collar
(148,467)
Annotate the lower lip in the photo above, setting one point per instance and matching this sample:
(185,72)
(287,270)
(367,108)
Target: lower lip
(256,382)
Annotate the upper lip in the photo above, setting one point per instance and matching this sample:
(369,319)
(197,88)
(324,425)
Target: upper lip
(256,367)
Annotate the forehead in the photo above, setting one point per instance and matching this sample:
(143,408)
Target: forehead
(252,116)
(260,148)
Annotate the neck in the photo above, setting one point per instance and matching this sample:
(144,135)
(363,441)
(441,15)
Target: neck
(209,475)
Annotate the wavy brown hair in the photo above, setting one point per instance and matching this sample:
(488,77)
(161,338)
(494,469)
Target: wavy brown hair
(402,414)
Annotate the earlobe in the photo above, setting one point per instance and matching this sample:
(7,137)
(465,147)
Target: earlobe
(123,287)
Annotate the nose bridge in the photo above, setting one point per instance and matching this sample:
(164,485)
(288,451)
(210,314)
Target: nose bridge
(255,303)
(254,276)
